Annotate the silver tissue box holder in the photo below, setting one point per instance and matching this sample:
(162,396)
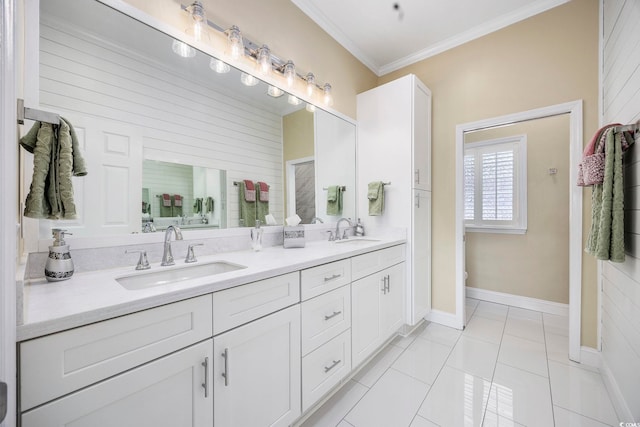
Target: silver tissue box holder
(293,236)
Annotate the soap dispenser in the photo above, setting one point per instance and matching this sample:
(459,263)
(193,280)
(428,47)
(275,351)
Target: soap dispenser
(256,237)
(59,264)
(359,229)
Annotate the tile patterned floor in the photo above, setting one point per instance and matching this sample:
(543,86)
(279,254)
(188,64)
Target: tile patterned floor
(508,368)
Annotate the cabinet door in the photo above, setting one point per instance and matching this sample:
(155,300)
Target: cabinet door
(419,289)
(167,392)
(392,301)
(365,316)
(257,372)
(421,137)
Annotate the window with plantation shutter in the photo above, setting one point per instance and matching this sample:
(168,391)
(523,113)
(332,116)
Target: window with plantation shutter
(495,198)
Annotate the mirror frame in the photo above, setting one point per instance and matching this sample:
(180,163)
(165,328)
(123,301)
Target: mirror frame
(29,227)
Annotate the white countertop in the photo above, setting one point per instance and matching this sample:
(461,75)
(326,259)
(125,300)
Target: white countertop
(94,296)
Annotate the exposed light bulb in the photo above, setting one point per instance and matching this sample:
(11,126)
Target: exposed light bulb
(236,45)
(219,66)
(294,100)
(182,49)
(311,84)
(276,92)
(290,73)
(327,97)
(310,108)
(264,59)
(248,79)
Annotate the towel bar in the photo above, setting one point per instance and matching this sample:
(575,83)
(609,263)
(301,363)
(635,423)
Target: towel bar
(25,113)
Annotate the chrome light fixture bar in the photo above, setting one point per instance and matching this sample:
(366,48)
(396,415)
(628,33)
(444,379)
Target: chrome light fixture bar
(265,59)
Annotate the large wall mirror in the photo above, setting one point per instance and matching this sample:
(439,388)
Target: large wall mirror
(168,139)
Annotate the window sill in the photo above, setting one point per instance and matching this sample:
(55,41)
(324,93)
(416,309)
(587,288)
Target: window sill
(494,230)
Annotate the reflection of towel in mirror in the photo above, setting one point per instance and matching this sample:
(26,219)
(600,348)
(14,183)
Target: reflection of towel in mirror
(334,200)
(166,201)
(197,205)
(375,194)
(249,191)
(55,162)
(177,200)
(247,209)
(209,204)
(262,204)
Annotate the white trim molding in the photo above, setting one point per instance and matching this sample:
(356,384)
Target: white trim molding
(519,301)
(574,109)
(445,319)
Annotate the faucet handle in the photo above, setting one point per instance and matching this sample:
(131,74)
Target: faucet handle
(332,236)
(143,261)
(191,256)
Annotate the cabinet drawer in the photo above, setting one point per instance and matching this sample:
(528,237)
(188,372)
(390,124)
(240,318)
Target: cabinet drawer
(242,304)
(58,364)
(324,368)
(366,264)
(324,317)
(324,278)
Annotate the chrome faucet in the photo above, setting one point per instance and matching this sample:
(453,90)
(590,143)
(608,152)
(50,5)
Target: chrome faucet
(167,256)
(315,220)
(344,234)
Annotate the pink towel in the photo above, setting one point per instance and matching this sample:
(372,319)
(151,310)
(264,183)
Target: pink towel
(264,191)
(249,191)
(177,200)
(166,200)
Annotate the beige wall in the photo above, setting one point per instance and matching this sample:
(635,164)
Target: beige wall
(297,140)
(289,33)
(535,264)
(548,59)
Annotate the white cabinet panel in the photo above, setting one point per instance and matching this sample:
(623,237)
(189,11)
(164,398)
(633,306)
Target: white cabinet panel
(422,138)
(324,317)
(168,392)
(391,302)
(236,306)
(369,263)
(58,364)
(419,287)
(257,372)
(324,368)
(323,278)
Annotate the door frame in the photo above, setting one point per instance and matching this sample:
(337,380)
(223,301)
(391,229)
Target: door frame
(574,109)
(9,210)
(291,182)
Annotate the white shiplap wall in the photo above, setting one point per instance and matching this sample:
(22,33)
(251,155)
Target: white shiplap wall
(179,118)
(621,281)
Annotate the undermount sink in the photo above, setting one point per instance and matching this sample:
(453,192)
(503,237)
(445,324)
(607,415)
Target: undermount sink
(357,240)
(173,275)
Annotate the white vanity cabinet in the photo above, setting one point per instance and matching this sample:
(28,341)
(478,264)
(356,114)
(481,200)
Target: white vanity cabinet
(394,146)
(376,301)
(151,368)
(257,372)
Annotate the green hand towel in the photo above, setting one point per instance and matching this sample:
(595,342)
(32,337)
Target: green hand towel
(334,200)
(79,167)
(606,237)
(62,198)
(375,194)
(37,203)
(247,209)
(262,207)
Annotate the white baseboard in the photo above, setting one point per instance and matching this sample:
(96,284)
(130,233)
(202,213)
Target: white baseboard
(617,398)
(444,318)
(590,357)
(519,301)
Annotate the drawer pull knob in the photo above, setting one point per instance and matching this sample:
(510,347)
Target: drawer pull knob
(335,276)
(225,374)
(205,384)
(333,365)
(331,316)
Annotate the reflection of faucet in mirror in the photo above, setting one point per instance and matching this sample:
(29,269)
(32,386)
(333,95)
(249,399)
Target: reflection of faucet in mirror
(344,233)
(167,256)
(315,220)
(148,227)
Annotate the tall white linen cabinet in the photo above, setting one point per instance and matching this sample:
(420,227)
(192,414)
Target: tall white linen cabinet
(394,146)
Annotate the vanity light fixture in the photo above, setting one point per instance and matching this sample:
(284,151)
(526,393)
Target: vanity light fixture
(274,91)
(248,79)
(219,66)
(310,108)
(311,83)
(327,97)
(289,72)
(263,57)
(239,46)
(236,44)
